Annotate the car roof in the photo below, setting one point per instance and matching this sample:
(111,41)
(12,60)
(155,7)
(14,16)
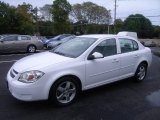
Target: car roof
(100,36)
(97,35)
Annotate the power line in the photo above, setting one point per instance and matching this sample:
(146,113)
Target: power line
(149,10)
(154,16)
(140,17)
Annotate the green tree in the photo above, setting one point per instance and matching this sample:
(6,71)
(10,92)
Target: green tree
(45,11)
(91,12)
(118,25)
(8,19)
(46,28)
(156,31)
(26,18)
(60,11)
(140,24)
(19,20)
(90,18)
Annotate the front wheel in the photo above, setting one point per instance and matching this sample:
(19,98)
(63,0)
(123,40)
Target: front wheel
(64,91)
(141,72)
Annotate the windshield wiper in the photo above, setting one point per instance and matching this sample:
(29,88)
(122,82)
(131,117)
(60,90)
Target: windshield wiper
(59,53)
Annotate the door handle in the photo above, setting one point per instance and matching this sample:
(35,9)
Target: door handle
(115,60)
(136,56)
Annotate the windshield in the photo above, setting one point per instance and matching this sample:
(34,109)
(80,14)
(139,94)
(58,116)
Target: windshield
(67,38)
(75,47)
(56,37)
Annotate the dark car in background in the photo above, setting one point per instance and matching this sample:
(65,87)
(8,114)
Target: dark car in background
(20,43)
(56,38)
(56,43)
(1,36)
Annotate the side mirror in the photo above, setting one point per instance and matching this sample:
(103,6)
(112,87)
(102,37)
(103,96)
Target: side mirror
(1,41)
(95,55)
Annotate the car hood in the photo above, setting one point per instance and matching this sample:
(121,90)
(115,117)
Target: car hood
(38,61)
(49,40)
(54,42)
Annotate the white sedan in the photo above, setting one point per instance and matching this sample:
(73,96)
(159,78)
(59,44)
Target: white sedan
(82,63)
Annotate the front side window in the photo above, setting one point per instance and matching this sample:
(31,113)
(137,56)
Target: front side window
(11,38)
(75,47)
(106,48)
(127,45)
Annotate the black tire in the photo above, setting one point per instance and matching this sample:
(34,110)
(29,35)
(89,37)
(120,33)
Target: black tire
(64,91)
(31,49)
(140,72)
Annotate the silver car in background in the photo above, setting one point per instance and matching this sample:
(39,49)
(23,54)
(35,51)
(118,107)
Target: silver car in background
(20,43)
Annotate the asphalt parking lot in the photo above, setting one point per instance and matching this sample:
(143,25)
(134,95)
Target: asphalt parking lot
(124,100)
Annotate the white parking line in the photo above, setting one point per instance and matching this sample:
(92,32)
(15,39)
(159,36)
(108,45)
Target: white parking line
(14,54)
(21,54)
(8,61)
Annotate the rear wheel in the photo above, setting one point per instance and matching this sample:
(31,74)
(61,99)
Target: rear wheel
(141,72)
(64,91)
(31,49)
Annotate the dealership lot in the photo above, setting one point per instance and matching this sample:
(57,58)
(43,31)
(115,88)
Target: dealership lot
(123,100)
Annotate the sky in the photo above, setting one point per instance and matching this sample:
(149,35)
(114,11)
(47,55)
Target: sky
(149,8)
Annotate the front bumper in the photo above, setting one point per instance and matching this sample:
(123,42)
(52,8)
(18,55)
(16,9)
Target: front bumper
(51,46)
(26,91)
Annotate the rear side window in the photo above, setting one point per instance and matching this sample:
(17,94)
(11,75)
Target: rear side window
(25,38)
(135,45)
(128,45)
(106,48)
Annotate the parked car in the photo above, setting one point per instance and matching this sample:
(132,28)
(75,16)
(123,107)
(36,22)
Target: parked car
(19,43)
(82,63)
(1,36)
(56,38)
(55,43)
(149,44)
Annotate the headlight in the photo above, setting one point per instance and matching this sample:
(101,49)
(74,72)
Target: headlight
(30,76)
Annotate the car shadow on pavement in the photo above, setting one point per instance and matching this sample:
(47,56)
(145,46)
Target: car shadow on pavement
(83,98)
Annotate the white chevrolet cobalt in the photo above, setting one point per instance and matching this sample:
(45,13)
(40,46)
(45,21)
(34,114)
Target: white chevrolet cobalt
(82,63)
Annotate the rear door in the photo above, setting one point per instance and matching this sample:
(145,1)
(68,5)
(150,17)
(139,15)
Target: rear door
(23,42)
(129,56)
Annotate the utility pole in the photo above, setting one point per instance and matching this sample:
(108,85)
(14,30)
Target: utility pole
(108,28)
(115,12)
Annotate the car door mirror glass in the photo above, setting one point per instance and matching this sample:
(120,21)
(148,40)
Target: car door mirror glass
(95,55)
(2,40)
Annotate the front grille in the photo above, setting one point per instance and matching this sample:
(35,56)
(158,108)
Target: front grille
(13,73)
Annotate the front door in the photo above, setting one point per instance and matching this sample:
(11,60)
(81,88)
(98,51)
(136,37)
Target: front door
(9,43)
(103,70)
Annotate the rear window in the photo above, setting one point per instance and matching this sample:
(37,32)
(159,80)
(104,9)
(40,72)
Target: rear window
(25,38)
(128,45)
